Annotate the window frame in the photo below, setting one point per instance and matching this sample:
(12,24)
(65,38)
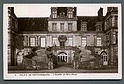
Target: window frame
(42,42)
(69,26)
(70,41)
(54,26)
(54,39)
(99,41)
(62,27)
(34,42)
(83,41)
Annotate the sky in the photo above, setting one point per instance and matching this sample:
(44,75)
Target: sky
(43,10)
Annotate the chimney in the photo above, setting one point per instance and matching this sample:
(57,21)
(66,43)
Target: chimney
(100,14)
(75,11)
(11,9)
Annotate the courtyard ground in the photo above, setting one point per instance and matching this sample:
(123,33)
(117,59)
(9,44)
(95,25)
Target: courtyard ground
(64,68)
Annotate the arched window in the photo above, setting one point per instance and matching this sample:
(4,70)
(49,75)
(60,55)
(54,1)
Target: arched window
(105,57)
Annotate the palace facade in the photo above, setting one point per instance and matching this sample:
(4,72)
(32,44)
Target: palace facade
(63,30)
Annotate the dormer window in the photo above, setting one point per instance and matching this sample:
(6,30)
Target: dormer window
(62,15)
(70,13)
(54,12)
(83,26)
(98,26)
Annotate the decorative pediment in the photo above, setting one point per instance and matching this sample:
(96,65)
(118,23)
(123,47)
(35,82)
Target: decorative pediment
(62,38)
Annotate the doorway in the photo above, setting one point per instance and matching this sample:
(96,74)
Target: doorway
(105,58)
(62,57)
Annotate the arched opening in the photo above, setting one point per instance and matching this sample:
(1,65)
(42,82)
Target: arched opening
(62,57)
(104,57)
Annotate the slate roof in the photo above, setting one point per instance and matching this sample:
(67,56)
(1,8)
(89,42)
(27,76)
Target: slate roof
(91,21)
(33,24)
(64,9)
(41,24)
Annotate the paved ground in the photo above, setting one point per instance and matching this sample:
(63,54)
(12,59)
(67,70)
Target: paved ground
(64,68)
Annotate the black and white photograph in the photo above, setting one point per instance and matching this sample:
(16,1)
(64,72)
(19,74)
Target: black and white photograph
(62,41)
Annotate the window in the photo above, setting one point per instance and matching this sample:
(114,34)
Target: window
(69,26)
(99,41)
(105,26)
(62,43)
(108,23)
(99,28)
(61,26)
(9,38)
(70,14)
(108,39)
(32,41)
(54,41)
(115,21)
(105,58)
(62,15)
(42,42)
(84,27)
(115,37)
(84,42)
(54,15)
(70,41)
(9,55)
(53,26)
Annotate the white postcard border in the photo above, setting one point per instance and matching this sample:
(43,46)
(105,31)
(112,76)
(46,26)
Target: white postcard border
(51,76)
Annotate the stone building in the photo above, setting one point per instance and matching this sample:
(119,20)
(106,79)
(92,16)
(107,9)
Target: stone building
(111,31)
(12,35)
(63,30)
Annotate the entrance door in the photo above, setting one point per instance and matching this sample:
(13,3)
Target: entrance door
(62,57)
(105,58)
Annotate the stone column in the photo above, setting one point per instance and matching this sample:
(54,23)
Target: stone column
(111,54)
(67,55)
(35,40)
(38,40)
(50,40)
(28,41)
(25,40)
(95,40)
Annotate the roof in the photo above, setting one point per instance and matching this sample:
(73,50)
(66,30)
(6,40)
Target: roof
(65,9)
(32,24)
(62,9)
(41,24)
(91,21)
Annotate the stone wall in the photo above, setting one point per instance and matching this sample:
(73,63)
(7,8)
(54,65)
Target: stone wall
(74,26)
